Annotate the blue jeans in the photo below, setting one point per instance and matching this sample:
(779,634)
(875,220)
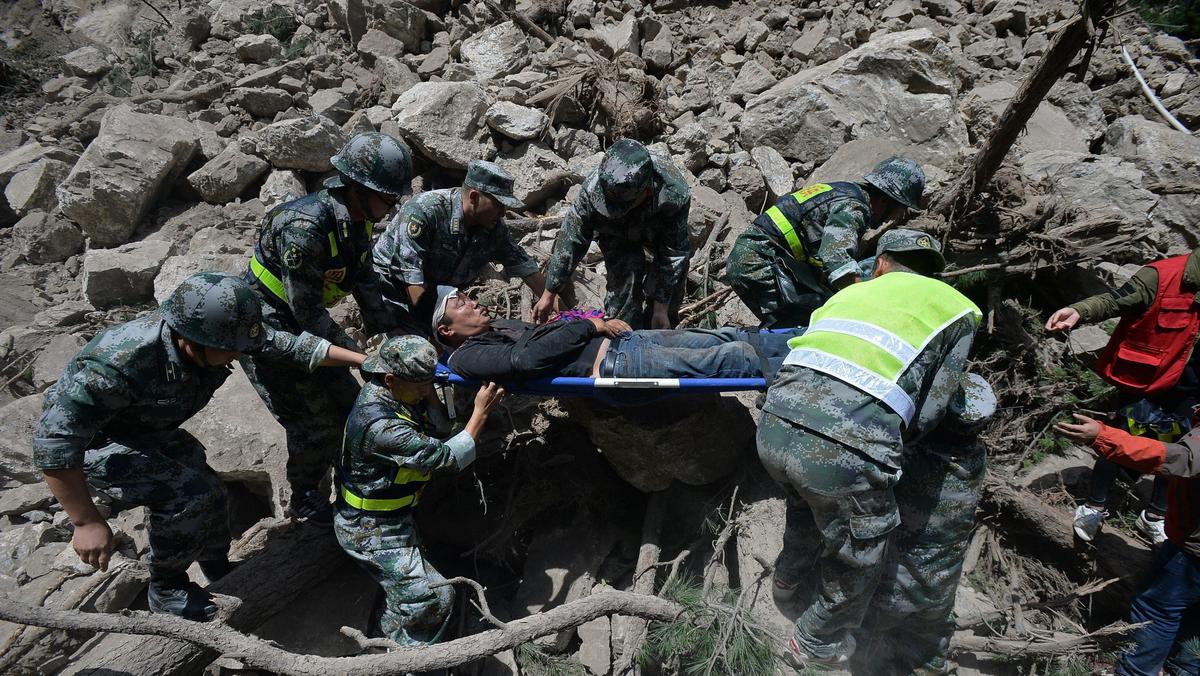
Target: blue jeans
(697,353)
(1168,601)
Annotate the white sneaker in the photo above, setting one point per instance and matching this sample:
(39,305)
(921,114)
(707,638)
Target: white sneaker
(1155,530)
(1087,521)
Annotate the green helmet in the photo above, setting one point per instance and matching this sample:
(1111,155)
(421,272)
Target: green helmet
(901,179)
(409,358)
(376,161)
(625,172)
(216,310)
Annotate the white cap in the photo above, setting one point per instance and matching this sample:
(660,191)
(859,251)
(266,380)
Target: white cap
(444,294)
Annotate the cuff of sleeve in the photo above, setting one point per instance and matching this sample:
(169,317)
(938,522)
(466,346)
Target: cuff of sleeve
(413,278)
(52,454)
(847,269)
(320,352)
(462,447)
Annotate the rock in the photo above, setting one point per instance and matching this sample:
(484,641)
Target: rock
(434,62)
(580,13)
(281,186)
(398,19)
(274,76)
(747,181)
(776,172)
(19,544)
(304,143)
(756,34)
(350,16)
(124,171)
(495,51)
(261,101)
(67,313)
(1097,184)
(225,176)
(238,446)
(53,359)
(708,208)
(806,45)
(571,142)
(1088,339)
(444,121)
(651,447)
(902,10)
(760,536)
(131,525)
(620,37)
(21,158)
(257,48)
(752,79)
(124,275)
(45,238)
(397,78)
(1070,468)
(1048,128)
(332,104)
(86,62)
(33,189)
(107,26)
(178,268)
(17,422)
(376,44)
(690,145)
(595,650)
(516,122)
(538,173)
(21,499)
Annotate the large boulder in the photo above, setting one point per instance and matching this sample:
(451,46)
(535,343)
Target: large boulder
(281,186)
(398,19)
(515,121)
(1049,128)
(17,421)
(538,173)
(304,143)
(854,159)
(178,268)
(1095,184)
(23,157)
(33,189)
(124,275)
(124,171)
(261,101)
(500,50)
(53,359)
(225,176)
(445,122)
(46,238)
(900,86)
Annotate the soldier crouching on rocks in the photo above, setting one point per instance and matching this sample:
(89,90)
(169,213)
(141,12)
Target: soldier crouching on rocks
(112,422)
(387,457)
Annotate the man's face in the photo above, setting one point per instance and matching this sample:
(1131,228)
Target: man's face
(377,205)
(465,318)
(484,210)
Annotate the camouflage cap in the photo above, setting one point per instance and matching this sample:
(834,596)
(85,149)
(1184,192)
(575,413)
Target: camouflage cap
(376,161)
(409,358)
(625,172)
(216,310)
(901,179)
(488,177)
(903,239)
(978,403)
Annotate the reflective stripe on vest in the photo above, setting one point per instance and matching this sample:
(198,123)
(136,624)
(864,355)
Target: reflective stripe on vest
(868,334)
(404,475)
(788,230)
(331,292)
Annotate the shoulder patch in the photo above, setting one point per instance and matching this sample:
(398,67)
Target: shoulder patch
(414,228)
(292,257)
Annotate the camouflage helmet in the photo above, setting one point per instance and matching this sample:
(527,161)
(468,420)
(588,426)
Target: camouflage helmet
(216,310)
(624,174)
(977,404)
(901,179)
(409,358)
(376,161)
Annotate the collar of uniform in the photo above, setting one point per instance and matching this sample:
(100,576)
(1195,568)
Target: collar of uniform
(456,212)
(1191,270)
(383,394)
(340,211)
(175,367)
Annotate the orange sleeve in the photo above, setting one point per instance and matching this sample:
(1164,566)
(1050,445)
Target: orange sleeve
(1140,454)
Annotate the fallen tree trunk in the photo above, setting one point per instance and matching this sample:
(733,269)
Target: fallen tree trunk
(282,560)
(217,638)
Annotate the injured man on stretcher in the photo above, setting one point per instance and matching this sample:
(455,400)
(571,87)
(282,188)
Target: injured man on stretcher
(485,348)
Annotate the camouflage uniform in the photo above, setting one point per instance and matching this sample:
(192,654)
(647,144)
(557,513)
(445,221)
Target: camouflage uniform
(310,255)
(782,282)
(387,454)
(116,413)
(838,452)
(909,625)
(659,225)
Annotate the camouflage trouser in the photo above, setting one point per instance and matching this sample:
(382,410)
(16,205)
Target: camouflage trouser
(311,407)
(840,518)
(167,474)
(909,626)
(627,277)
(778,289)
(389,549)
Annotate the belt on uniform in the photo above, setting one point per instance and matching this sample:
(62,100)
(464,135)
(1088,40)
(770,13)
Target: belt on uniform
(608,367)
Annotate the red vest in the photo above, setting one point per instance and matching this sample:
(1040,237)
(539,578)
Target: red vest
(1147,353)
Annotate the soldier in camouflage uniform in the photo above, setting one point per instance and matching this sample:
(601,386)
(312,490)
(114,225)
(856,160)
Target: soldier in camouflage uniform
(387,456)
(633,202)
(909,625)
(448,237)
(112,422)
(311,253)
(876,369)
(793,256)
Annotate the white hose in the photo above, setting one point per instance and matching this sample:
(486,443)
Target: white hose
(1150,94)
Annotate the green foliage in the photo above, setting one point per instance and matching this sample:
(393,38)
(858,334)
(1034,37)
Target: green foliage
(537,662)
(1177,17)
(295,49)
(1084,384)
(971,280)
(1073,665)
(275,20)
(1190,648)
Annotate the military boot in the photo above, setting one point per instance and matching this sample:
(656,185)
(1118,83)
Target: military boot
(177,595)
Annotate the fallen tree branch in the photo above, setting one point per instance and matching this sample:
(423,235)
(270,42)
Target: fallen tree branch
(482,605)
(643,581)
(522,21)
(206,94)
(1041,648)
(256,653)
(1066,599)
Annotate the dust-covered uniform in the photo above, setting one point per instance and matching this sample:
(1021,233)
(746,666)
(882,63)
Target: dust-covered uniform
(310,255)
(116,412)
(387,456)
(625,235)
(874,371)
